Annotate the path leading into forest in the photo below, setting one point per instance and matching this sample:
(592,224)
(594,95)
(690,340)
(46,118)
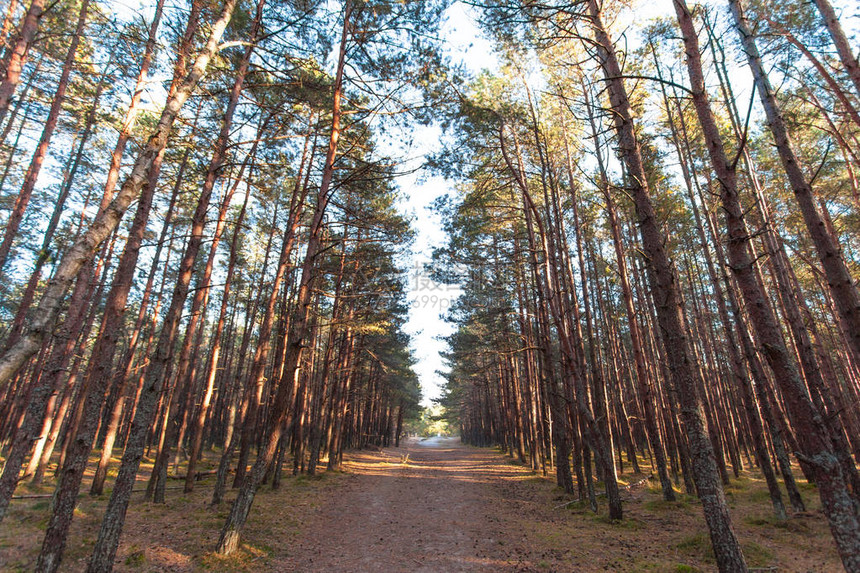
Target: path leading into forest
(435,510)
(430,506)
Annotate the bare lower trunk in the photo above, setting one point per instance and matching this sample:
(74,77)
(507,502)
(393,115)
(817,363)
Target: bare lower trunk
(645,385)
(811,432)
(666,295)
(199,420)
(299,326)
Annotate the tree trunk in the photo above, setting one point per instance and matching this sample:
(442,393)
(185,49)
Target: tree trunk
(645,385)
(843,47)
(666,295)
(811,431)
(44,141)
(299,323)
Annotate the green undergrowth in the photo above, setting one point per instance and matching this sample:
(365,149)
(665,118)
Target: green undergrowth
(176,535)
(699,546)
(648,566)
(683,502)
(660,536)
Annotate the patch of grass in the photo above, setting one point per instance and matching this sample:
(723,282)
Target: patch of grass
(697,546)
(757,555)
(247,558)
(792,525)
(663,505)
(759,496)
(580,506)
(642,566)
(136,559)
(803,485)
(758,521)
(655,489)
(645,566)
(738,485)
(262,548)
(30,487)
(629,523)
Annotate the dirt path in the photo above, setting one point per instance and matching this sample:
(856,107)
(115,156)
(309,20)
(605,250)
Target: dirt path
(432,505)
(449,508)
(430,511)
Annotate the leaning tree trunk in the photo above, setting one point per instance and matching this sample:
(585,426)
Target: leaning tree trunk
(843,47)
(133,109)
(199,419)
(183,378)
(43,392)
(842,288)
(811,432)
(256,378)
(595,433)
(643,379)
(299,324)
(738,367)
(666,294)
(18,56)
(41,151)
(112,524)
(84,248)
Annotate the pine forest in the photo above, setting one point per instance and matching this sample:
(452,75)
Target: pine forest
(441,285)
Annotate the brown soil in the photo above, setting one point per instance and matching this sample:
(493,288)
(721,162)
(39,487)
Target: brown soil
(432,505)
(423,507)
(448,507)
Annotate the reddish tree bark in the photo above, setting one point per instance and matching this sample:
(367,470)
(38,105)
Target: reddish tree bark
(18,56)
(665,292)
(44,141)
(811,432)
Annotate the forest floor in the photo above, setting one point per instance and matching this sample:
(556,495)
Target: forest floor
(432,505)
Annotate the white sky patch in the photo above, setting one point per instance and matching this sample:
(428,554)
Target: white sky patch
(427,299)
(465,45)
